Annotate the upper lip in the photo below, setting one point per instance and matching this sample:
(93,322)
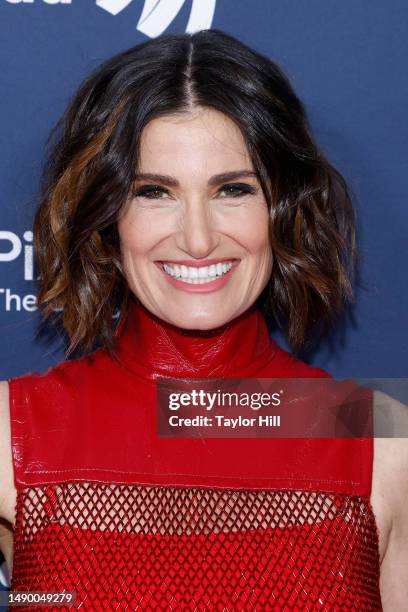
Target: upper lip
(198,264)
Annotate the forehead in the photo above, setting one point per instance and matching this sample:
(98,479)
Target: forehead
(201,141)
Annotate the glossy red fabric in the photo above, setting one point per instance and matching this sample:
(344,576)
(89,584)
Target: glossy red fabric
(84,438)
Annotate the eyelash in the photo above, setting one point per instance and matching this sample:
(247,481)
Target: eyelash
(242,188)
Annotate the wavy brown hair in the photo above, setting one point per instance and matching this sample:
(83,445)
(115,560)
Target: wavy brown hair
(92,157)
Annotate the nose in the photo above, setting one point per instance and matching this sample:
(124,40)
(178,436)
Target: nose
(198,236)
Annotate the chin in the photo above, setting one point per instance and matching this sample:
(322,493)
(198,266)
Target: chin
(200,323)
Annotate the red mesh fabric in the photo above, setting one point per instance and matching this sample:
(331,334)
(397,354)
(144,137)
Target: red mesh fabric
(171,548)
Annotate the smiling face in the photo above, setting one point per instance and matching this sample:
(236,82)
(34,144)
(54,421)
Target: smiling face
(193,216)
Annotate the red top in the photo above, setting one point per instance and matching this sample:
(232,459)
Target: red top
(111,413)
(91,422)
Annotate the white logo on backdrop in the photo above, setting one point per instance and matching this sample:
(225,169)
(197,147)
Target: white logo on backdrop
(13,248)
(156,15)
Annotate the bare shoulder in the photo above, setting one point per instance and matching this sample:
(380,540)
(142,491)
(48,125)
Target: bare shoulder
(391,446)
(391,443)
(390,496)
(7,489)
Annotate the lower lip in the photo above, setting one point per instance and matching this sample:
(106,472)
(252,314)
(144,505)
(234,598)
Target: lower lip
(214,285)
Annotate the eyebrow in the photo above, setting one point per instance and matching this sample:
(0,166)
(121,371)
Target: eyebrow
(214,180)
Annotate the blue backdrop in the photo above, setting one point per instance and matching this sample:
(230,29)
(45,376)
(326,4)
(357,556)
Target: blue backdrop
(347,62)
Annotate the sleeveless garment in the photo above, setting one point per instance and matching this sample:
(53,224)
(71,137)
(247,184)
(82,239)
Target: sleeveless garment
(129,520)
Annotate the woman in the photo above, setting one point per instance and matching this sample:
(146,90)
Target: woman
(185,199)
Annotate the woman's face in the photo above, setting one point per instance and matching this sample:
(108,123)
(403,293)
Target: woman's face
(189,215)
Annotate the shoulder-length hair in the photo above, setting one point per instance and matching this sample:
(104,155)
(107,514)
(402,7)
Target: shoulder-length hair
(92,157)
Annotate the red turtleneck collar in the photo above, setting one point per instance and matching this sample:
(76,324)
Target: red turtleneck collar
(150,346)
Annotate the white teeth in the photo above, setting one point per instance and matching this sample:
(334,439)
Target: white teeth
(197,276)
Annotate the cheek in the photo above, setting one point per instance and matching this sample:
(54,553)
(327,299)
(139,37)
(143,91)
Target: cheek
(254,229)
(137,233)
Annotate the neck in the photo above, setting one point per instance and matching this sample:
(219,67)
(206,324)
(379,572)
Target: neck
(153,347)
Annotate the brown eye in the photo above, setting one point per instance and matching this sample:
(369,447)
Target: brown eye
(152,192)
(237,189)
